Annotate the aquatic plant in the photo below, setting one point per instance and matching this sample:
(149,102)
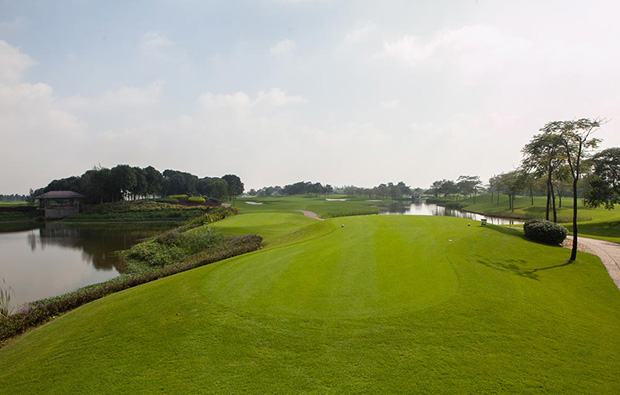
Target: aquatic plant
(5,299)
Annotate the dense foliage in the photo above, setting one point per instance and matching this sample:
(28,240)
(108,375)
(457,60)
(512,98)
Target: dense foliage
(124,182)
(605,180)
(545,231)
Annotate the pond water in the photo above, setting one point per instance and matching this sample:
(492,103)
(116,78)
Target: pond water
(42,260)
(423,208)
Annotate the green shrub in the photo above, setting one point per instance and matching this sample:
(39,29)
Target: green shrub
(545,231)
(180,198)
(174,246)
(167,200)
(196,200)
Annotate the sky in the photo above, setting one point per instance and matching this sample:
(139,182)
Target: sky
(280,91)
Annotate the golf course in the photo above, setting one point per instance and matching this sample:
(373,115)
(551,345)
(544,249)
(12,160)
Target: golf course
(355,304)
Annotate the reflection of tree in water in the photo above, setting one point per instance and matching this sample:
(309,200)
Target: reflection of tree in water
(97,243)
(398,207)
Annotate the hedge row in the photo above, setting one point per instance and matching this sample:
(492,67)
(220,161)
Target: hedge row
(33,316)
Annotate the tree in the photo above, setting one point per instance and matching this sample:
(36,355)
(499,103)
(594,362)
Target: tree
(141,183)
(154,181)
(511,183)
(235,186)
(542,156)
(576,141)
(123,180)
(605,181)
(468,185)
(493,187)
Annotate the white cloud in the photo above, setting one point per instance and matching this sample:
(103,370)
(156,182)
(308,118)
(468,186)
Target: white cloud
(471,49)
(13,63)
(390,105)
(361,33)
(283,47)
(122,98)
(155,44)
(39,138)
(271,99)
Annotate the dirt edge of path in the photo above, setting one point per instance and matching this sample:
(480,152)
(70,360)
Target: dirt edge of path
(310,214)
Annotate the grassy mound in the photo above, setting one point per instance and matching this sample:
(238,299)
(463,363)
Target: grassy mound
(382,305)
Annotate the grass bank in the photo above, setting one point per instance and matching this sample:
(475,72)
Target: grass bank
(385,304)
(192,245)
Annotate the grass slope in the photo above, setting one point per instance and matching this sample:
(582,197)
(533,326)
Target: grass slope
(384,305)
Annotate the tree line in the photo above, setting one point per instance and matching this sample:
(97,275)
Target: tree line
(124,182)
(385,190)
(13,198)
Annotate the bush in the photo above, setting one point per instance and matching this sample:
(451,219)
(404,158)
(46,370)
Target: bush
(196,200)
(180,198)
(167,200)
(545,231)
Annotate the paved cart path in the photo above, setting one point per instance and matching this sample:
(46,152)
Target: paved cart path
(606,250)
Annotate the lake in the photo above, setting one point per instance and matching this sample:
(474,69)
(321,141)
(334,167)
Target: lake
(48,259)
(423,208)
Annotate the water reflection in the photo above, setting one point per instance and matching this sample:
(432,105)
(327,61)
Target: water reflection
(423,208)
(55,258)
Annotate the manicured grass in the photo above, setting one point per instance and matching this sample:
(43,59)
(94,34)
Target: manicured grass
(385,304)
(602,230)
(14,204)
(353,205)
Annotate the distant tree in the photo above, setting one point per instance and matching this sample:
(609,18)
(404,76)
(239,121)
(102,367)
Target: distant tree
(577,142)
(154,181)
(448,187)
(235,186)
(469,185)
(141,187)
(123,180)
(435,188)
(511,183)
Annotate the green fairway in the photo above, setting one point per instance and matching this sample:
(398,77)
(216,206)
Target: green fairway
(349,205)
(385,304)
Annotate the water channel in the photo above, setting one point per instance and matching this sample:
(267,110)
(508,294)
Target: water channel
(423,208)
(48,259)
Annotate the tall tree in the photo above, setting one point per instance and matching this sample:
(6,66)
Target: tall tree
(605,181)
(511,183)
(235,186)
(542,156)
(468,185)
(577,142)
(154,181)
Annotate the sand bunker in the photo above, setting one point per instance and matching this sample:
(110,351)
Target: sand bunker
(256,203)
(336,200)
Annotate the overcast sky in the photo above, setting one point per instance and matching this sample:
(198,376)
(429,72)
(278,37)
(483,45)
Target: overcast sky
(279,91)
